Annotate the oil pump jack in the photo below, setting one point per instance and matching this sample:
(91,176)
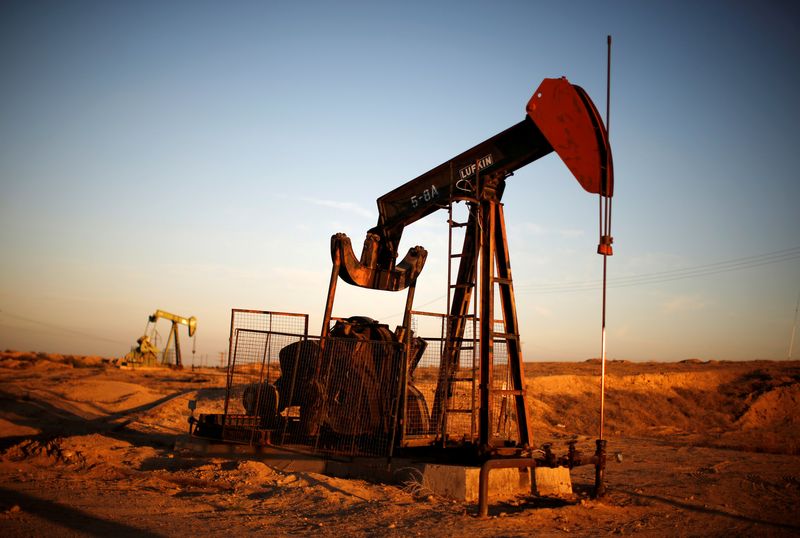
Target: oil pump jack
(560,117)
(146,351)
(191,323)
(353,391)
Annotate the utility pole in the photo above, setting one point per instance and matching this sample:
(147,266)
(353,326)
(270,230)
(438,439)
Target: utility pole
(794,327)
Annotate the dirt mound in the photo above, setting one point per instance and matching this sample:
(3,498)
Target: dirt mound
(106,396)
(94,454)
(34,359)
(776,409)
(710,403)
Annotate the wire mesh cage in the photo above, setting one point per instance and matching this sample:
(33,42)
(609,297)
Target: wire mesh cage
(345,393)
(338,394)
(256,339)
(355,396)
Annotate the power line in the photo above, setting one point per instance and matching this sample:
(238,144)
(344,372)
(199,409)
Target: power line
(736,264)
(794,327)
(61,328)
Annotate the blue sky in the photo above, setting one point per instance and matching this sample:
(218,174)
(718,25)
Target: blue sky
(197,156)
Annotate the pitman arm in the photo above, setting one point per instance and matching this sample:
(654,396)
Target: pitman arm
(560,117)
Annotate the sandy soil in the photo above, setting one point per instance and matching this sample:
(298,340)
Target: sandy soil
(708,449)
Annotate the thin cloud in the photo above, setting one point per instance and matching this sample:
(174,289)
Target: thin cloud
(348,207)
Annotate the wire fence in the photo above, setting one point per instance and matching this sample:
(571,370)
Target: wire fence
(347,392)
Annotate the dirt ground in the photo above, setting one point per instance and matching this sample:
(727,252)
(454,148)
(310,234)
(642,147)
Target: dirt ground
(707,448)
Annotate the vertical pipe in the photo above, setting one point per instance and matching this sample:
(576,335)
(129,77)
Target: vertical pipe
(603,351)
(600,468)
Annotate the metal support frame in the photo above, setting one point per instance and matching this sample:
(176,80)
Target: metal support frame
(494,253)
(173,334)
(486,316)
(485,250)
(509,305)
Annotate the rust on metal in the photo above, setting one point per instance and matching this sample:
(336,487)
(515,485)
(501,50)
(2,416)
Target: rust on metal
(566,116)
(366,273)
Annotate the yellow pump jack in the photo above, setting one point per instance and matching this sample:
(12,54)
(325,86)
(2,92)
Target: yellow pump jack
(146,352)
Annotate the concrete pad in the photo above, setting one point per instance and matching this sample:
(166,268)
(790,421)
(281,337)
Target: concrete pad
(552,482)
(462,483)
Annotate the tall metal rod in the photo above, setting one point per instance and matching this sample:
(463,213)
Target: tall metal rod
(794,327)
(608,85)
(603,352)
(608,199)
(605,249)
(605,231)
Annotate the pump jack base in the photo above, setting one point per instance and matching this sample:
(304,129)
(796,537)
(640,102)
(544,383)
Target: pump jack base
(457,482)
